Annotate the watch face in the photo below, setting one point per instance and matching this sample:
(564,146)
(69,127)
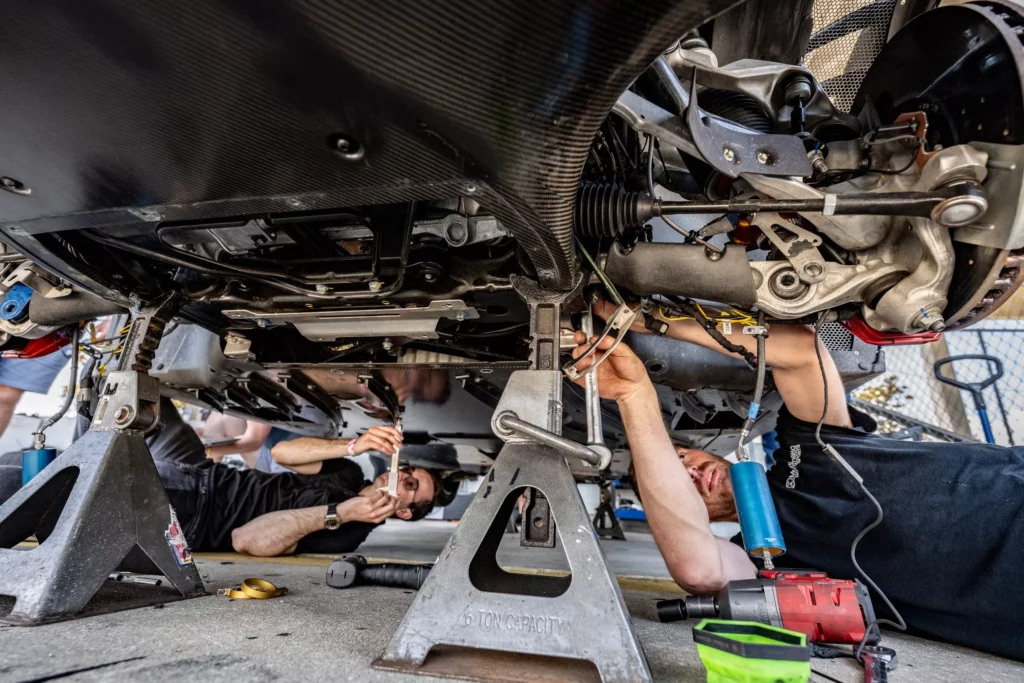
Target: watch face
(332,523)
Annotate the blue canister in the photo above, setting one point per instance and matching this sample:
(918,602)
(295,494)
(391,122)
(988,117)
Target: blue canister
(33,462)
(759,523)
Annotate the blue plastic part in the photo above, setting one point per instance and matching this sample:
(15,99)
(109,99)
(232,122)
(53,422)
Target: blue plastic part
(752,412)
(986,425)
(15,303)
(34,461)
(758,521)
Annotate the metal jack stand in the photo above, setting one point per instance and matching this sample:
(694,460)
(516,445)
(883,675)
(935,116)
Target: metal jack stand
(469,604)
(101,503)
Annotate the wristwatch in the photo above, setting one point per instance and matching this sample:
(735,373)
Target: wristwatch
(331,519)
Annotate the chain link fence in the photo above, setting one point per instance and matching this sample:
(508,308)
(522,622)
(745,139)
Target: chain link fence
(909,392)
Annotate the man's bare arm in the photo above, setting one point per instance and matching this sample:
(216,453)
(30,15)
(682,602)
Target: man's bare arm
(307,450)
(697,560)
(277,533)
(254,436)
(789,350)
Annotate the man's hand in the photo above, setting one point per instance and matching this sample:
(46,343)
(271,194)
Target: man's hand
(374,508)
(621,375)
(387,440)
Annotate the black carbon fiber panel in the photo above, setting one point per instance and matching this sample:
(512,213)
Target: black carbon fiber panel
(203,108)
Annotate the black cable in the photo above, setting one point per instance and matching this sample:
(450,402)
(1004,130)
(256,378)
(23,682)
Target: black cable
(38,435)
(901,625)
(712,329)
(755,402)
(825,676)
(486,334)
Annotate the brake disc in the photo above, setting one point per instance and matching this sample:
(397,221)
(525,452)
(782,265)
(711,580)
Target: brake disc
(962,66)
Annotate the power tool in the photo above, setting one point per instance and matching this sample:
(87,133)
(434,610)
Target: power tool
(352,570)
(827,610)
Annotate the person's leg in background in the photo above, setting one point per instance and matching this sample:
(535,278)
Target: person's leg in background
(18,375)
(9,397)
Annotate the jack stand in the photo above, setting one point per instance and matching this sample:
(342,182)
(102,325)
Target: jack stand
(606,523)
(100,504)
(472,608)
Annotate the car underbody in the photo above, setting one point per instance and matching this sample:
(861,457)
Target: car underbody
(355,215)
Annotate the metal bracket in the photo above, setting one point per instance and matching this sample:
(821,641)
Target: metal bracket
(800,247)
(416,322)
(732,152)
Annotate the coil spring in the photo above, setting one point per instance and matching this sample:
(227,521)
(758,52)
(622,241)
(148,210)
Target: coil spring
(608,210)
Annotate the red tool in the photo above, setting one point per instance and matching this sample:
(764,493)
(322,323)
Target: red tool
(827,610)
(34,348)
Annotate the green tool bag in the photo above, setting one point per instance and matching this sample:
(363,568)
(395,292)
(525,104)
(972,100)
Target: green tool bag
(749,652)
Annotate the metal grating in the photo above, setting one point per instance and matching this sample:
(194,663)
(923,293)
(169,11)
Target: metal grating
(836,337)
(846,37)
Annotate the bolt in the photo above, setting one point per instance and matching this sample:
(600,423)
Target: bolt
(712,254)
(429,277)
(123,415)
(15,186)
(376,285)
(322,289)
(763,158)
(343,144)
(386,344)
(460,316)
(937,326)
(470,189)
(262,322)
(729,154)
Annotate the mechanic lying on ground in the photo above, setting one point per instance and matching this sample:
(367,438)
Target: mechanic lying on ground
(948,553)
(221,508)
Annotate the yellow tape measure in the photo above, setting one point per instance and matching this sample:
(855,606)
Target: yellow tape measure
(257,589)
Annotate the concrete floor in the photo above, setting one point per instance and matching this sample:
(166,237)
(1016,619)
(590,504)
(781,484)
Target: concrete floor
(316,633)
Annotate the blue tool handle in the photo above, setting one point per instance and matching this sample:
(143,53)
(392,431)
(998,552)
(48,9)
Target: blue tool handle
(986,425)
(34,461)
(759,522)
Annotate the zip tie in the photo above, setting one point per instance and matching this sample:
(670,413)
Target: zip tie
(830,205)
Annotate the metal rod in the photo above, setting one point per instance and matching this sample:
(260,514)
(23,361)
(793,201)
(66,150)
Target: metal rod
(866,203)
(595,433)
(672,83)
(510,422)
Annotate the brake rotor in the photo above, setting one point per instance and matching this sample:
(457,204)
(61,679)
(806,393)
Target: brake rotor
(963,66)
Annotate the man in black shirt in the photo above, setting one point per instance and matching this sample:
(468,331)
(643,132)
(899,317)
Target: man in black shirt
(330,509)
(948,552)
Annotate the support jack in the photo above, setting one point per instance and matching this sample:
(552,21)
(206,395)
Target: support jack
(101,504)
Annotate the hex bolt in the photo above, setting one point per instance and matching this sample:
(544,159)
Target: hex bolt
(429,276)
(460,316)
(15,186)
(347,147)
(376,285)
(261,322)
(729,154)
(386,344)
(763,158)
(322,289)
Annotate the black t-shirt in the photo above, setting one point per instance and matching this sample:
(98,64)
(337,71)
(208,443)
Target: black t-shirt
(950,550)
(213,499)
